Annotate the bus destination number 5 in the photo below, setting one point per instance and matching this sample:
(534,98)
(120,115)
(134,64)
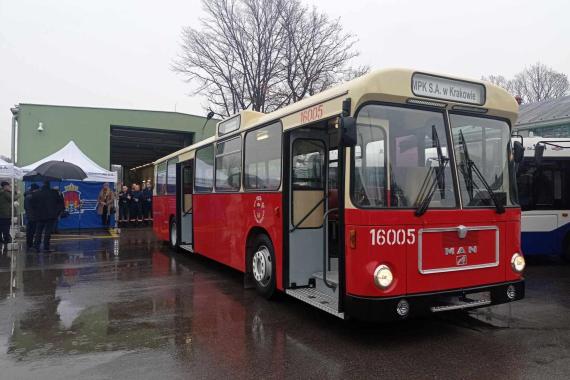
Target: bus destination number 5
(393,236)
(313,113)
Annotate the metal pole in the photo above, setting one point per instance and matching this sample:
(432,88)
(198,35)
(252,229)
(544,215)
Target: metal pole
(15,110)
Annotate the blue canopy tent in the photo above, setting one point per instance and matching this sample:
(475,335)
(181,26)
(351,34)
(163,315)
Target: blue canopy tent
(80,197)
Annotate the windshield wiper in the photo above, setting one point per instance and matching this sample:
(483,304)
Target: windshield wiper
(430,182)
(467,169)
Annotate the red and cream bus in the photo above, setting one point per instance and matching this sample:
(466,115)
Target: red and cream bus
(386,197)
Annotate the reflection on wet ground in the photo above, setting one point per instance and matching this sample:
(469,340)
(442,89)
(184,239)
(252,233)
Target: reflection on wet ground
(126,307)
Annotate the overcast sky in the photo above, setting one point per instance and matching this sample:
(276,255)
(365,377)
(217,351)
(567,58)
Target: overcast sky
(117,53)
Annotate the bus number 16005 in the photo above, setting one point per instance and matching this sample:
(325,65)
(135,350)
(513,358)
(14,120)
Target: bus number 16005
(392,236)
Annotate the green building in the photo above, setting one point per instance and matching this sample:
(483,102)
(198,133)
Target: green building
(548,118)
(128,138)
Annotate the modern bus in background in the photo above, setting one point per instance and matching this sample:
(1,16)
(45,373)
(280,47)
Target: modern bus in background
(544,194)
(385,197)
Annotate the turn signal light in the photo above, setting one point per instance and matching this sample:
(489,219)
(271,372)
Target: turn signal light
(352,238)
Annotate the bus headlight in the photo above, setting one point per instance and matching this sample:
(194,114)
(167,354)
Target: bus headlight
(518,263)
(383,277)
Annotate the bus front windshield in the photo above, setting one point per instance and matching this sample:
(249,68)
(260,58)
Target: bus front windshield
(482,155)
(402,160)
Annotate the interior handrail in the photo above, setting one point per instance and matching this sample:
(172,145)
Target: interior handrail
(308,214)
(326,253)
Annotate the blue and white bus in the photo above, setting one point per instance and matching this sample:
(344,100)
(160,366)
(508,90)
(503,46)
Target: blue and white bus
(544,195)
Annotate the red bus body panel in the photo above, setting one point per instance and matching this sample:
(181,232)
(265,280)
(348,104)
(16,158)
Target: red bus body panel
(404,258)
(222,223)
(163,208)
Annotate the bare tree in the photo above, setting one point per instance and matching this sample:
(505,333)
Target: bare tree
(500,81)
(539,82)
(535,83)
(263,54)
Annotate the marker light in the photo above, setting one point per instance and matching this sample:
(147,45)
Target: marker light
(518,263)
(383,277)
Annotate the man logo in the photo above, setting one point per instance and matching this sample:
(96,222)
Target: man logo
(461,260)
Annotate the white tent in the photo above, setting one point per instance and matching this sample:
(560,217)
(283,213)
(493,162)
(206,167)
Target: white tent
(9,171)
(71,153)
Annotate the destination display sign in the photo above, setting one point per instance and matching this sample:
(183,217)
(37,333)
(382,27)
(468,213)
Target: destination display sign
(448,89)
(229,125)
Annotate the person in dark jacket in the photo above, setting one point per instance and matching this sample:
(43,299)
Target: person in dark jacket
(48,204)
(147,202)
(30,215)
(5,213)
(136,201)
(124,203)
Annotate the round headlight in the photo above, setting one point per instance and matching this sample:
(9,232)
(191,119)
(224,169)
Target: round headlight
(518,263)
(383,277)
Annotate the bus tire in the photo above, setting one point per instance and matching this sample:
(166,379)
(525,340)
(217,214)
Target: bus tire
(173,234)
(261,265)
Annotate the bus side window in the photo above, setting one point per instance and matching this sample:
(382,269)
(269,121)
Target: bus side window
(228,165)
(171,176)
(544,191)
(161,179)
(204,173)
(263,158)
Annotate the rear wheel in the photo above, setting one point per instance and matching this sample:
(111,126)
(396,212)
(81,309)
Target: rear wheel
(173,234)
(262,265)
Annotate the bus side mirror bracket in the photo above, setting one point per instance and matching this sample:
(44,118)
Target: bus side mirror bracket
(347,128)
(518,152)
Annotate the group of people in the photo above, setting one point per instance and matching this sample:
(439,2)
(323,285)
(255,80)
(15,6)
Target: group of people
(43,206)
(135,205)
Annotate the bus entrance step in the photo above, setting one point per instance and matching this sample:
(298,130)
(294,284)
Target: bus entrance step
(332,276)
(317,299)
(332,280)
(187,247)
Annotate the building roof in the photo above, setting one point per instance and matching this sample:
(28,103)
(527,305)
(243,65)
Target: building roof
(112,109)
(544,112)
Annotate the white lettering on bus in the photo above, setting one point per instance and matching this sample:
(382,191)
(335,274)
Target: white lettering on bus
(392,236)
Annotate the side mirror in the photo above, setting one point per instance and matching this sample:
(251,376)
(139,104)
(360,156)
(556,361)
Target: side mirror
(539,152)
(518,151)
(347,128)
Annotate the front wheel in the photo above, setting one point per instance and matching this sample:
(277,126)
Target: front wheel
(262,265)
(173,234)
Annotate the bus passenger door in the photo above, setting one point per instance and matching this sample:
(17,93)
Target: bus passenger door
(184,203)
(307,206)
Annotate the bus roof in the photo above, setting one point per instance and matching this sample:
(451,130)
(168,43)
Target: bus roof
(387,85)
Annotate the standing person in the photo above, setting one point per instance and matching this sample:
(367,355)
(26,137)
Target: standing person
(5,213)
(31,217)
(48,205)
(105,204)
(136,208)
(124,203)
(147,202)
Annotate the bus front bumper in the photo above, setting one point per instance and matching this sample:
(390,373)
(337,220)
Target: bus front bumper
(400,307)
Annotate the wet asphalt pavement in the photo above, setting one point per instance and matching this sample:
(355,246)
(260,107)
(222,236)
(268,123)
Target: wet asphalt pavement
(105,307)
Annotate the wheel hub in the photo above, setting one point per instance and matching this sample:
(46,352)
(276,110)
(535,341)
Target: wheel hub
(262,267)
